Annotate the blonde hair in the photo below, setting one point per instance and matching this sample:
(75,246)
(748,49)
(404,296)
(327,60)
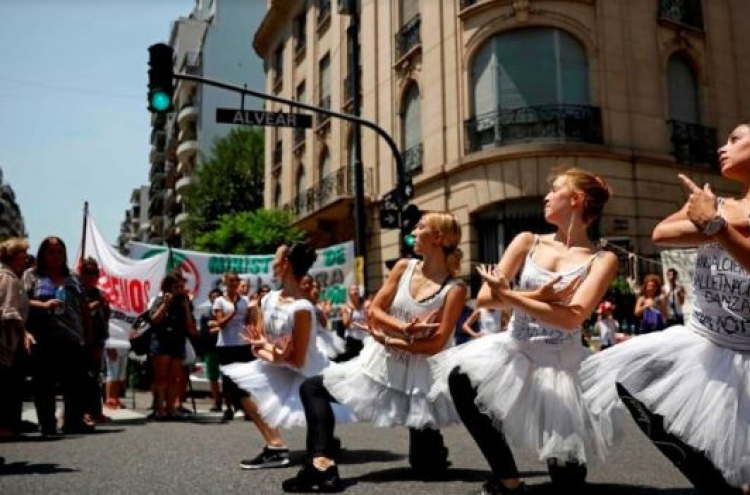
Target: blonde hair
(447,224)
(595,190)
(10,248)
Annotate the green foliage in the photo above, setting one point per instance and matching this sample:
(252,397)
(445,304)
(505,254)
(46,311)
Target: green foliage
(229,181)
(250,232)
(622,296)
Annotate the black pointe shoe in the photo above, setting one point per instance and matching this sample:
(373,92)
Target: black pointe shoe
(309,479)
(497,488)
(568,476)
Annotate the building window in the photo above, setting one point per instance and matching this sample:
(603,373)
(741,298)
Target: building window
(299,132)
(277,196)
(411,125)
(300,32)
(278,66)
(324,86)
(516,101)
(324,12)
(324,166)
(691,142)
(301,179)
(408,35)
(682,12)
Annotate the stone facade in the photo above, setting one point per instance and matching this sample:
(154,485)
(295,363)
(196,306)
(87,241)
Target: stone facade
(634,90)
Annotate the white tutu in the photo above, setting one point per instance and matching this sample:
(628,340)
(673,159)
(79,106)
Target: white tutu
(331,344)
(275,391)
(389,388)
(701,389)
(530,390)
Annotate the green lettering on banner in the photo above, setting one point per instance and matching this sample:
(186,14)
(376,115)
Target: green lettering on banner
(334,256)
(335,293)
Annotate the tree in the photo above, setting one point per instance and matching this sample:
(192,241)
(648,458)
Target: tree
(230,180)
(250,232)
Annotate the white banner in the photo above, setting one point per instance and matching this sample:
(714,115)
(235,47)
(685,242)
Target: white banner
(682,260)
(334,269)
(128,284)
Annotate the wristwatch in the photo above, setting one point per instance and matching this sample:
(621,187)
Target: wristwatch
(714,226)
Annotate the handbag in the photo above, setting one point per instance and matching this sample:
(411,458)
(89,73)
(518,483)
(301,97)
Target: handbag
(141,332)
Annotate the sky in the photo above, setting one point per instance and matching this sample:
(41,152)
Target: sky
(73,120)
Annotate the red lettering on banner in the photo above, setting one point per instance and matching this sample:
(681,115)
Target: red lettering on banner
(127,295)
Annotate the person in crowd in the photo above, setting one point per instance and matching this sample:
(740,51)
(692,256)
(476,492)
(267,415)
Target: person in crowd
(231,315)
(651,306)
(14,339)
(98,308)
(284,340)
(488,320)
(688,387)
(244,288)
(353,315)
(116,362)
(461,336)
(171,320)
(674,295)
(521,387)
(606,325)
(412,317)
(209,335)
(329,341)
(58,319)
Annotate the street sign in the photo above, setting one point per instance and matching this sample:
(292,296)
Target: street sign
(258,117)
(388,218)
(390,201)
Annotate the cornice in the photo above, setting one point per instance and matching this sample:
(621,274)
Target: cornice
(275,19)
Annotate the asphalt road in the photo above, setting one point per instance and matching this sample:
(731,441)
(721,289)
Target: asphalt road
(201,456)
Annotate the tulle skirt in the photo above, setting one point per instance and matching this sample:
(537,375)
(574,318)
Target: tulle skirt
(275,391)
(702,391)
(389,388)
(530,390)
(331,344)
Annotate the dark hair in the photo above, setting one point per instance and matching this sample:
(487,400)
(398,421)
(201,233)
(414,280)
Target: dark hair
(302,257)
(89,264)
(169,280)
(41,263)
(214,292)
(674,272)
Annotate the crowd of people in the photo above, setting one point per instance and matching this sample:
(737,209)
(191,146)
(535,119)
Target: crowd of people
(414,355)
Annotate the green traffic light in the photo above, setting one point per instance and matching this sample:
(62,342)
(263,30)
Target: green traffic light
(410,240)
(160,101)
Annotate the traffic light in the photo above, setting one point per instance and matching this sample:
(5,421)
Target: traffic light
(160,85)
(410,217)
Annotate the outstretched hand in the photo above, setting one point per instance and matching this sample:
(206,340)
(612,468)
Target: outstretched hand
(702,204)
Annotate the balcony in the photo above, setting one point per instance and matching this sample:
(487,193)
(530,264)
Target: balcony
(413,158)
(335,186)
(187,149)
(323,119)
(556,123)
(694,144)
(180,219)
(188,114)
(350,87)
(685,13)
(324,13)
(183,183)
(465,4)
(408,37)
(158,172)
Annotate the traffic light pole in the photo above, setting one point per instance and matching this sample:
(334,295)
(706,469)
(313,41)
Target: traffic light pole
(360,245)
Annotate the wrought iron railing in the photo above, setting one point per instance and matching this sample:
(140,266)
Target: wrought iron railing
(299,136)
(684,12)
(324,102)
(580,123)
(413,158)
(694,144)
(336,185)
(408,36)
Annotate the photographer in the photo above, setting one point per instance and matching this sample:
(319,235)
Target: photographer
(171,319)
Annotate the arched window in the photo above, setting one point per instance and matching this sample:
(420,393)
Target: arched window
(684,100)
(531,83)
(301,180)
(324,166)
(411,123)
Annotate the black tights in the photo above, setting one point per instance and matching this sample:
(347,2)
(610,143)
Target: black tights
(426,449)
(491,440)
(692,463)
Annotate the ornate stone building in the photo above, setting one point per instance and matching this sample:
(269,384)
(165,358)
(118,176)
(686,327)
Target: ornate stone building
(485,97)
